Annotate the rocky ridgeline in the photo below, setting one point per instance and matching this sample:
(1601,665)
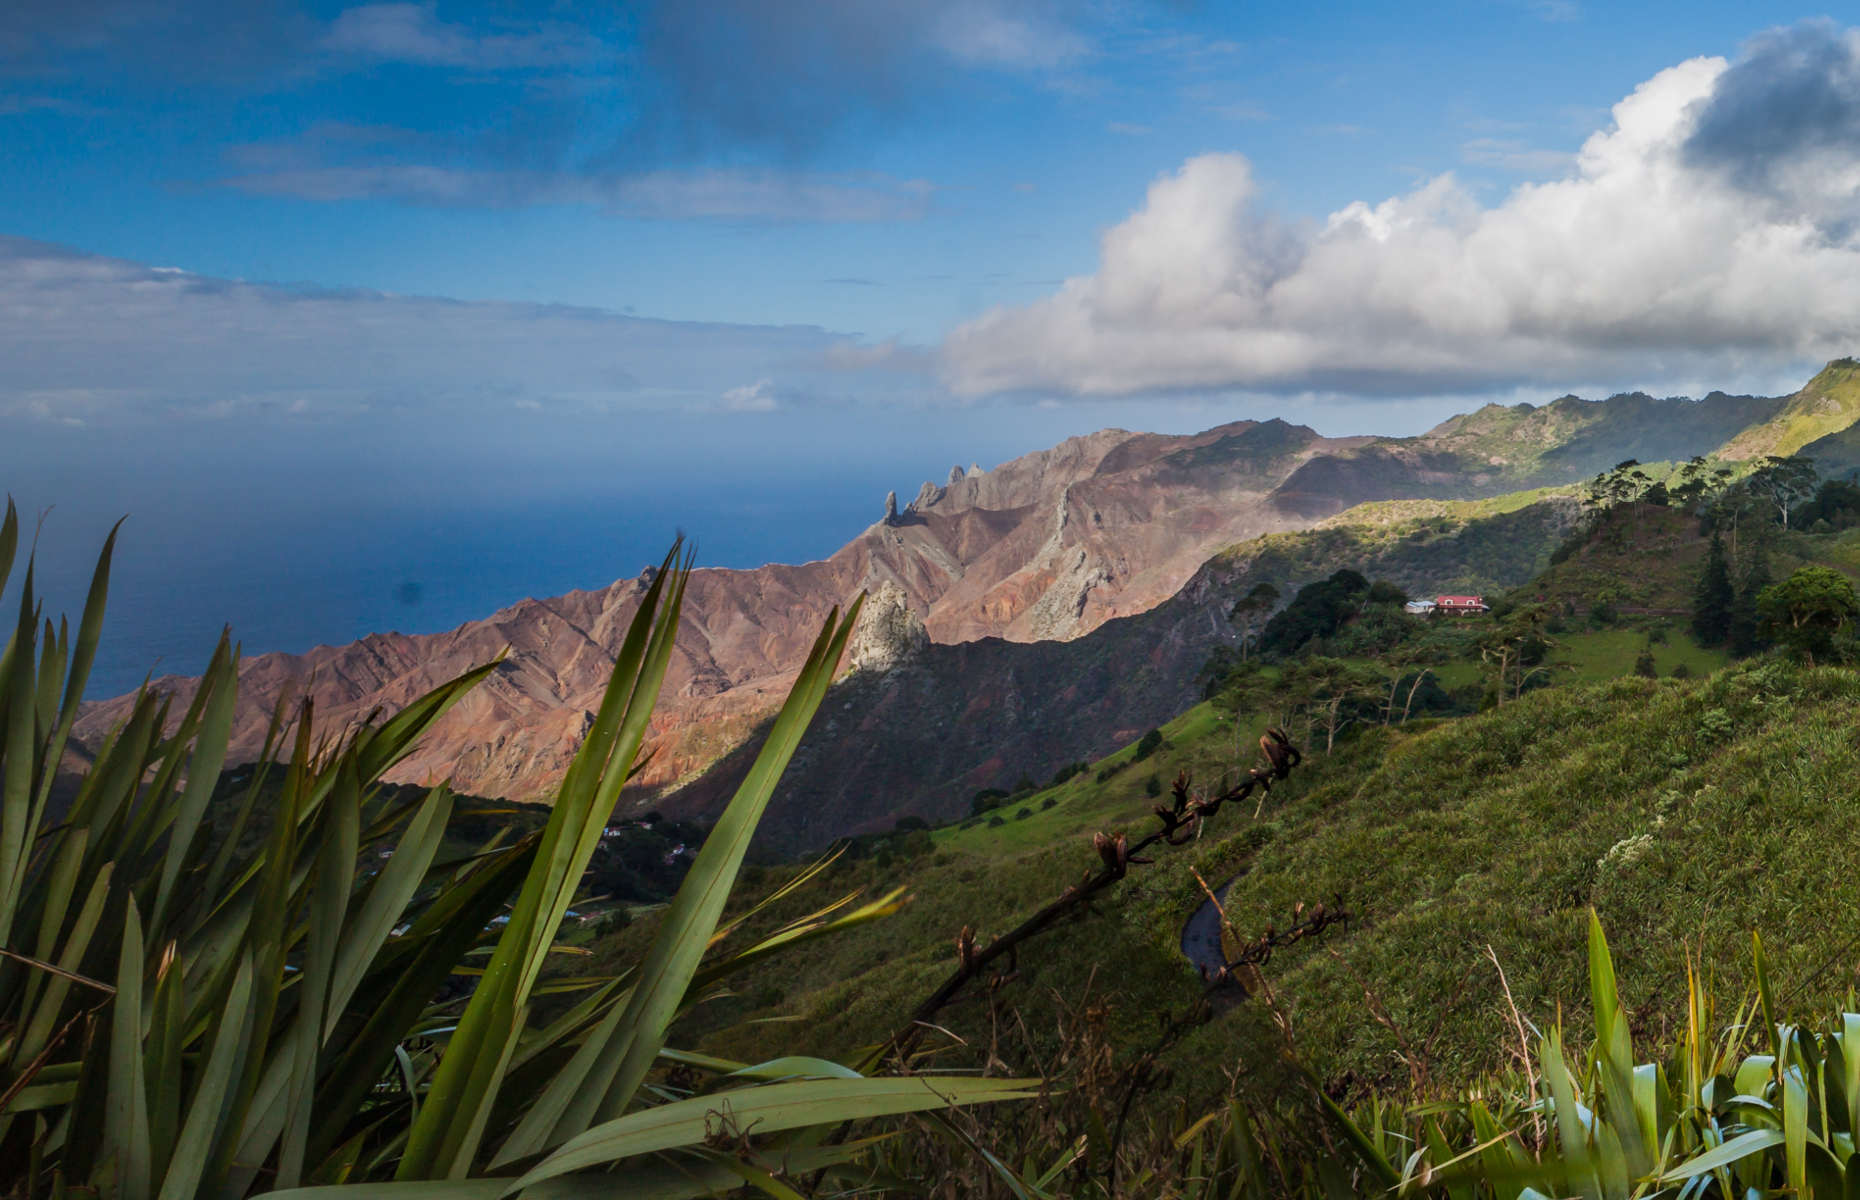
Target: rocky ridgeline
(1045,548)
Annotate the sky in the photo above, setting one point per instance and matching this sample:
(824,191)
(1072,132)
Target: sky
(378,280)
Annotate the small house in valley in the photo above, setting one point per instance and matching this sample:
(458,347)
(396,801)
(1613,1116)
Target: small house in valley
(1419,608)
(1460,605)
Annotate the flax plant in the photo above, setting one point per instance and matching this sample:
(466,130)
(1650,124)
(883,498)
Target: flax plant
(180,1017)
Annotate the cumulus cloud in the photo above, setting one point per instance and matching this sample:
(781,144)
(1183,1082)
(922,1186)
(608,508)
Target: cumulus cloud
(89,338)
(1685,242)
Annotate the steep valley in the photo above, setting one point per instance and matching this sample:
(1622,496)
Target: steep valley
(1042,550)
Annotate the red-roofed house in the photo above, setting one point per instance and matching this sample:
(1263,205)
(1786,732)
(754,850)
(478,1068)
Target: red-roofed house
(1460,605)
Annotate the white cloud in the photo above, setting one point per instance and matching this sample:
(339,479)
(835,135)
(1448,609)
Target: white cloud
(414,33)
(986,33)
(700,194)
(86,337)
(752,397)
(1659,257)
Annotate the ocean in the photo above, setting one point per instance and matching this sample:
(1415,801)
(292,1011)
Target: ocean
(292,581)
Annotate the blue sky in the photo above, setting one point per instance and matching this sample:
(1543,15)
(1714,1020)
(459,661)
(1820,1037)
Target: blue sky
(886,174)
(279,262)
(885,170)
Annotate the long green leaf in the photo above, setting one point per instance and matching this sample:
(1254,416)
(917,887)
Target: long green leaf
(445,1137)
(1743,1146)
(126,1131)
(203,772)
(603,1078)
(213,1095)
(16,761)
(769,1108)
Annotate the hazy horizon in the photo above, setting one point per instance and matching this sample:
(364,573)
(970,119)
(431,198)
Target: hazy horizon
(309,285)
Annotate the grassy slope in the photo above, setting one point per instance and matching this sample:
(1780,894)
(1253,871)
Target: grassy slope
(1684,811)
(1688,813)
(1826,405)
(1438,840)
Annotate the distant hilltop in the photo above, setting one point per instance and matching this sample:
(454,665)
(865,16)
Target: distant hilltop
(1048,546)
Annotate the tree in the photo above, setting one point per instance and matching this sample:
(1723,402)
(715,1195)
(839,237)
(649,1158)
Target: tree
(1643,665)
(1318,610)
(1515,650)
(1250,612)
(1331,694)
(1731,507)
(1713,597)
(1624,484)
(1837,502)
(1809,610)
(1400,664)
(1243,693)
(1746,630)
(1784,483)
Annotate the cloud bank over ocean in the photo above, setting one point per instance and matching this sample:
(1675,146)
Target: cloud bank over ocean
(1709,232)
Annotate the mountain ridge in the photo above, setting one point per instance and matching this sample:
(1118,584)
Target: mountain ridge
(1046,547)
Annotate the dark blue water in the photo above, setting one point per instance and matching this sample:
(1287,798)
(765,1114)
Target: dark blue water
(289,582)
(417,518)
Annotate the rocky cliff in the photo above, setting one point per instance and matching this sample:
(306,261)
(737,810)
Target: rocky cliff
(921,738)
(1047,547)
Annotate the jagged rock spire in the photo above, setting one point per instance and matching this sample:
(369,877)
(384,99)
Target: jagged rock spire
(891,508)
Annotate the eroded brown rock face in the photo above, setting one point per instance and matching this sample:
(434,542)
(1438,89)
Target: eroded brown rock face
(1046,547)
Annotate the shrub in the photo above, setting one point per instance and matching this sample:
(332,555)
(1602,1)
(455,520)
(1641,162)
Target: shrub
(996,821)
(1023,814)
(1048,803)
(986,799)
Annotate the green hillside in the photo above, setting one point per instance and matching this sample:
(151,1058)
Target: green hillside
(1571,438)
(1687,813)
(1828,404)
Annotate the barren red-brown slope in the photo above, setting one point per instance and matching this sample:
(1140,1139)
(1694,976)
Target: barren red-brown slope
(1048,546)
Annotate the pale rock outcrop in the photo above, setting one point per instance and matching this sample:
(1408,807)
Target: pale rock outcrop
(889,632)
